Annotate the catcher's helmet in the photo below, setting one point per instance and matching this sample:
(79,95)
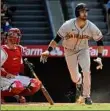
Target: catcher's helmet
(79,7)
(14,34)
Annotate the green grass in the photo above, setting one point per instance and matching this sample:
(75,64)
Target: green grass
(56,106)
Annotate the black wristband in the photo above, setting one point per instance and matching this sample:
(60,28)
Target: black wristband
(50,49)
(100,55)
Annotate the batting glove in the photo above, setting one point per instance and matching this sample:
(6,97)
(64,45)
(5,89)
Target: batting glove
(99,61)
(44,56)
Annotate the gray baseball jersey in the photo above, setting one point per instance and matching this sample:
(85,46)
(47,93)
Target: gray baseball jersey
(77,38)
(75,43)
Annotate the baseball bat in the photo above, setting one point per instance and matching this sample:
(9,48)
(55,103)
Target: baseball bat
(43,89)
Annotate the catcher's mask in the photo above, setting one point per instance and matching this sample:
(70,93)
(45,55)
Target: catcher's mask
(14,35)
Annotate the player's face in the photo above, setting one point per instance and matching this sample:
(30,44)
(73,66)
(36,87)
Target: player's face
(13,39)
(83,14)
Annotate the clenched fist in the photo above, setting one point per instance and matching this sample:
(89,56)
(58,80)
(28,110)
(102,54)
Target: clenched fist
(44,56)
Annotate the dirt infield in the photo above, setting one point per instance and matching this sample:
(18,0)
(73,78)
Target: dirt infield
(47,104)
(37,104)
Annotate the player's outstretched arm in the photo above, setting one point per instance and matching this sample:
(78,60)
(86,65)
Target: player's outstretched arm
(51,46)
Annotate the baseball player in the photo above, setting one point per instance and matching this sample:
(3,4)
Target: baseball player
(12,83)
(75,34)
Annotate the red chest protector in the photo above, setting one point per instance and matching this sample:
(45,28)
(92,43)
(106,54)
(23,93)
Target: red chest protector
(13,63)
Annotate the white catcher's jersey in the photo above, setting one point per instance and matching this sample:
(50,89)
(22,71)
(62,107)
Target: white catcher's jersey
(76,38)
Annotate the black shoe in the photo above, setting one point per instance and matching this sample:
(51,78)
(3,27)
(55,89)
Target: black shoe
(88,101)
(78,91)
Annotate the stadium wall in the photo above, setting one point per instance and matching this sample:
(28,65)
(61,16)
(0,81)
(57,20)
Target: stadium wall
(55,76)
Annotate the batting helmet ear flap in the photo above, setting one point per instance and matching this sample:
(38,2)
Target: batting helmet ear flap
(76,12)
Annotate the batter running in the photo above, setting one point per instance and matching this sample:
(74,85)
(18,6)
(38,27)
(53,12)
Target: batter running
(75,34)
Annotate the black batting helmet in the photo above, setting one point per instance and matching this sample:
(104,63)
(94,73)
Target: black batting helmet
(79,7)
